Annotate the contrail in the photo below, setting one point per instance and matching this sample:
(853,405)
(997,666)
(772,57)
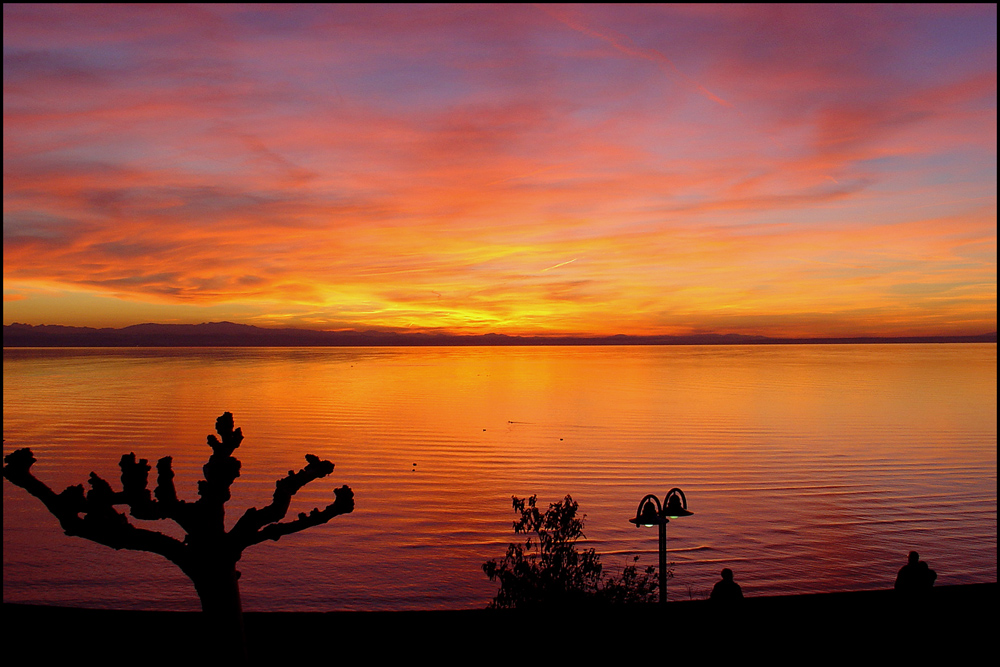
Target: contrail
(628,47)
(563,264)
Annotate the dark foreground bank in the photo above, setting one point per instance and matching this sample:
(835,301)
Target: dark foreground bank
(956,621)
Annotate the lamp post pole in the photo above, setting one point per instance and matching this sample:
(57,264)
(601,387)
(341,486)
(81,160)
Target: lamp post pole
(663,560)
(651,513)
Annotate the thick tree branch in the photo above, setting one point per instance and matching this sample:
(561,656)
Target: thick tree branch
(17,469)
(344,504)
(135,492)
(220,471)
(123,535)
(100,522)
(166,497)
(135,480)
(245,532)
(165,492)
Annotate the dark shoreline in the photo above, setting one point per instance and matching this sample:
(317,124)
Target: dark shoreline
(228,334)
(958,620)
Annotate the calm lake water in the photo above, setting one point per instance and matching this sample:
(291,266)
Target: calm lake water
(808,468)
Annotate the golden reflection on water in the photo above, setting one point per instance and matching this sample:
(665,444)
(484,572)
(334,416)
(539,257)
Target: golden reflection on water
(807,467)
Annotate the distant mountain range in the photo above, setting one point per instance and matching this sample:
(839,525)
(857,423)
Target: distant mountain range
(228,334)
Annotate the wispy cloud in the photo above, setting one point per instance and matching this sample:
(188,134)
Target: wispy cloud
(626,46)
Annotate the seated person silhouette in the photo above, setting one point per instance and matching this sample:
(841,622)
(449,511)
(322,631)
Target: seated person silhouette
(726,589)
(916,575)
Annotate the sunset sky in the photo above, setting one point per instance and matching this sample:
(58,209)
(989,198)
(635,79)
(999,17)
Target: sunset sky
(523,169)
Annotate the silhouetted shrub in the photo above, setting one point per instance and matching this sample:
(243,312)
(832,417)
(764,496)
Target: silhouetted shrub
(547,568)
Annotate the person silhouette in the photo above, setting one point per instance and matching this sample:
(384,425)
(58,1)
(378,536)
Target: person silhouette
(925,575)
(916,575)
(726,589)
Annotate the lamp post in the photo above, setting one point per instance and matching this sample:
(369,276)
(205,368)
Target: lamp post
(651,513)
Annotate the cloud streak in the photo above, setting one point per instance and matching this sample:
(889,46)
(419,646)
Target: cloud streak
(626,46)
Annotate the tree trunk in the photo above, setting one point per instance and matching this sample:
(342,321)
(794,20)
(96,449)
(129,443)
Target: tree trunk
(219,590)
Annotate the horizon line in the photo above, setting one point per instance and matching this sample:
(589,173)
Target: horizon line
(19,334)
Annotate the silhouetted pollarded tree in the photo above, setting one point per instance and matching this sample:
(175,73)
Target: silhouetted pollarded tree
(208,553)
(547,569)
